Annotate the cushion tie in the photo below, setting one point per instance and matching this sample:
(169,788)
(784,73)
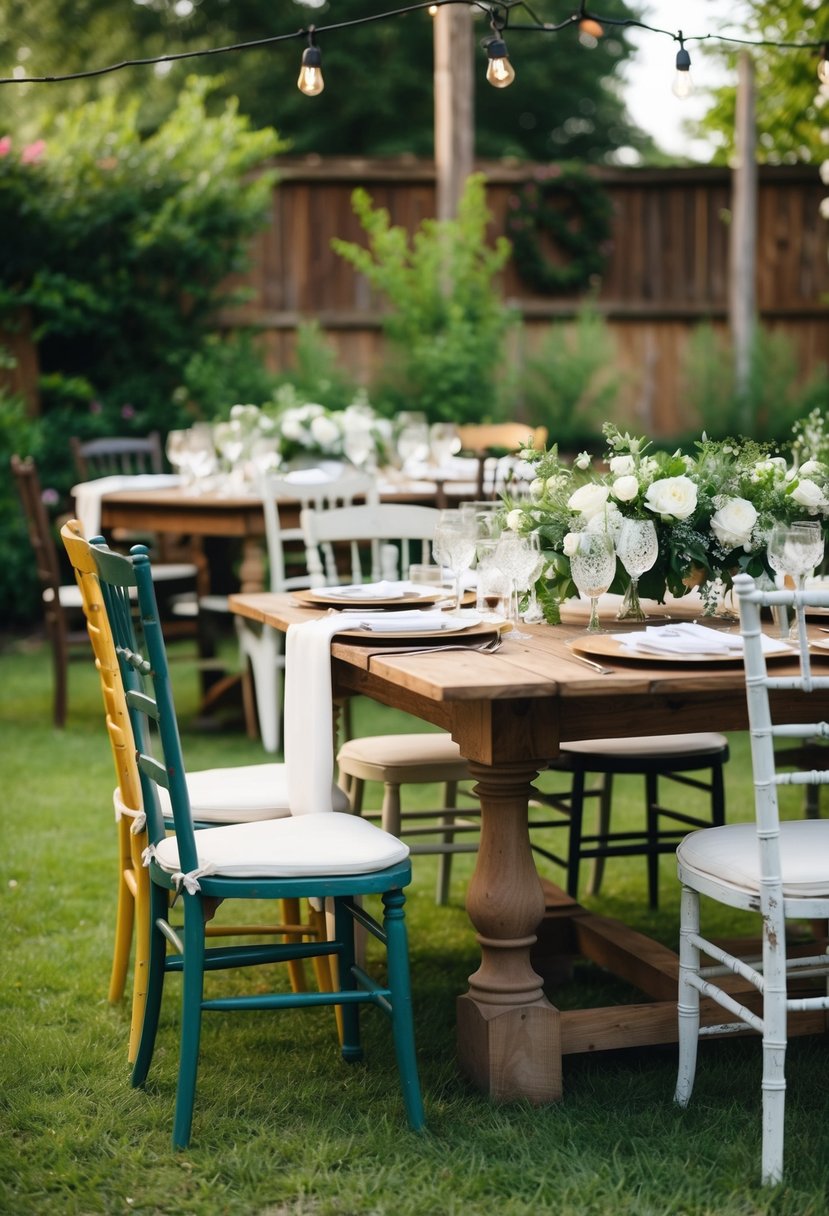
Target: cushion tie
(139,819)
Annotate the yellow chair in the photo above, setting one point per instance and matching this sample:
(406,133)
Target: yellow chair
(255,792)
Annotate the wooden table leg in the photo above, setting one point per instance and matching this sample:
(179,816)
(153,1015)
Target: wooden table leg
(509,1040)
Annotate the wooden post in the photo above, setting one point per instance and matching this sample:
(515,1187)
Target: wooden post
(454,106)
(742,288)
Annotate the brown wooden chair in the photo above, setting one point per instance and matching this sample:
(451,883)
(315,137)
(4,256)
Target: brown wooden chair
(130,455)
(62,606)
(486,441)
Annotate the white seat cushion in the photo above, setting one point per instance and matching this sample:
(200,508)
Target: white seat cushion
(241,795)
(69,595)
(730,855)
(398,758)
(649,745)
(316,845)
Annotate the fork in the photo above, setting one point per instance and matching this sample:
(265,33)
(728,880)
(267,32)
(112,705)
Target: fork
(603,671)
(489,646)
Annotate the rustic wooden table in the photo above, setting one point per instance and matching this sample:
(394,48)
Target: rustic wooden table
(509,712)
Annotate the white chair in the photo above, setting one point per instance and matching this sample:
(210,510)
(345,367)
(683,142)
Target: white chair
(779,870)
(386,538)
(260,645)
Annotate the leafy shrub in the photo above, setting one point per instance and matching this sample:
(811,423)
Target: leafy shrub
(447,322)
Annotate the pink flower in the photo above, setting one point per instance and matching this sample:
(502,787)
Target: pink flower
(95,407)
(127,411)
(5,145)
(33,152)
(49,497)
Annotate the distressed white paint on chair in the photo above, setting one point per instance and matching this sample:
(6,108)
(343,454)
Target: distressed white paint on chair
(780,870)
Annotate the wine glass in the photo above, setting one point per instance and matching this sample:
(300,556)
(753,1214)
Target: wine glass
(453,545)
(494,590)
(593,567)
(795,550)
(412,440)
(444,442)
(637,548)
(519,557)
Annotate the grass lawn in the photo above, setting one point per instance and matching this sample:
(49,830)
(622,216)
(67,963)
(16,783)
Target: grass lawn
(282,1127)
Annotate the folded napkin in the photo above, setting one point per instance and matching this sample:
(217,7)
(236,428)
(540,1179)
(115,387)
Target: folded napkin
(386,589)
(686,637)
(308,721)
(417,621)
(327,470)
(88,494)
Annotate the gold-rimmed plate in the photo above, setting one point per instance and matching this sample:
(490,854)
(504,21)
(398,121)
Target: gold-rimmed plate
(607,646)
(333,597)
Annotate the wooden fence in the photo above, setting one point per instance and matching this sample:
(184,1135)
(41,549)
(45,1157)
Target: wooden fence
(667,270)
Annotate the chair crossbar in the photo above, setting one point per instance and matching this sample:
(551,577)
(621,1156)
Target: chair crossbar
(803,777)
(799,730)
(153,769)
(292,1000)
(705,988)
(738,966)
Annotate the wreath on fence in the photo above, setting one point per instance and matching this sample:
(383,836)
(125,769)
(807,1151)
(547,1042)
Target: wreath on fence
(570,209)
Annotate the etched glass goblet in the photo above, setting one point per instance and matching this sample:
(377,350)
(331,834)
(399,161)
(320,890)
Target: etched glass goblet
(637,548)
(593,567)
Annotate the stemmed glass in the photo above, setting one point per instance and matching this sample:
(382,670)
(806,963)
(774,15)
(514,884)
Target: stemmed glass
(593,567)
(444,442)
(637,548)
(796,550)
(412,440)
(453,545)
(519,557)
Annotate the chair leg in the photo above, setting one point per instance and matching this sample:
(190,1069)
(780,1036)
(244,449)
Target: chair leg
(296,968)
(158,907)
(390,814)
(602,831)
(774,1044)
(60,666)
(266,686)
(450,800)
(687,998)
(124,921)
(394,923)
(141,966)
(344,924)
(652,819)
(191,1002)
(574,846)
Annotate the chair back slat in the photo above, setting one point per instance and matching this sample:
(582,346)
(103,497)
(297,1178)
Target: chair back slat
(129,455)
(338,492)
(40,532)
(139,644)
(376,535)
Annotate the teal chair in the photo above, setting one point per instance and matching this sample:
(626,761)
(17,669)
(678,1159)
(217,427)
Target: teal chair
(322,856)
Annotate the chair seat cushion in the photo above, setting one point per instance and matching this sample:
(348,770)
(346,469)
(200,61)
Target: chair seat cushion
(241,795)
(403,758)
(657,746)
(307,846)
(69,595)
(730,854)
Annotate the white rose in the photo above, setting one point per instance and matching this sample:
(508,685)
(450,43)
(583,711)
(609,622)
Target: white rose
(582,461)
(515,519)
(809,494)
(570,544)
(324,431)
(733,522)
(589,499)
(625,489)
(622,466)
(675,497)
(292,428)
(537,487)
(556,482)
(809,468)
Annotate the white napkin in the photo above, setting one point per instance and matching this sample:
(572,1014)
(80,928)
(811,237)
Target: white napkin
(686,637)
(417,621)
(326,471)
(88,494)
(308,724)
(384,590)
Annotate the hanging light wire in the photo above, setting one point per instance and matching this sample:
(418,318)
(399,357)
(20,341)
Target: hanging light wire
(498,13)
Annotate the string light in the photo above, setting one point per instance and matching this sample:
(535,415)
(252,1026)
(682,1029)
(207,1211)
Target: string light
(499,71)
(823,65)
(683,85)
(310,80)
(498,12)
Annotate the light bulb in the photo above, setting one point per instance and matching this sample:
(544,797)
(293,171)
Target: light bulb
(499,70)
(310,80)
(588,26)
(683,85)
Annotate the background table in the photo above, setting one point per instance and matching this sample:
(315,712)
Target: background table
(509,713)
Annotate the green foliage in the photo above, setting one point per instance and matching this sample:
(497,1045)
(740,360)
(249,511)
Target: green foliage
(317,375)
(775,396)
(570,384)
(447,322)
(790,122)
(226,368)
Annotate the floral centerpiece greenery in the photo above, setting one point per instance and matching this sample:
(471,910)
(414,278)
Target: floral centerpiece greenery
(356,432)
(713,510)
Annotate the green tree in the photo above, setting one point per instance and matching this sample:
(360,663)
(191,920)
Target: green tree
(378,99)
(790,123)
